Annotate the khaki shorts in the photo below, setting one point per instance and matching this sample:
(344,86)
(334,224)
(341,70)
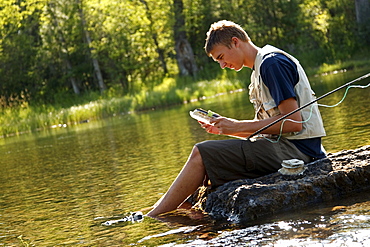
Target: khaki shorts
(228,160)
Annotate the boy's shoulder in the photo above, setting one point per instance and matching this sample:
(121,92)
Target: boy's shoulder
(275,57)
(277,62)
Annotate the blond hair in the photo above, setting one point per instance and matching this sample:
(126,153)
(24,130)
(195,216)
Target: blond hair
(222,32)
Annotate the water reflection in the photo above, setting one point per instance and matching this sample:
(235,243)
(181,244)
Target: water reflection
(56,184)
(346,224)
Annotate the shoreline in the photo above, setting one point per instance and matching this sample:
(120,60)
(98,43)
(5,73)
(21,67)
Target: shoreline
(28,119)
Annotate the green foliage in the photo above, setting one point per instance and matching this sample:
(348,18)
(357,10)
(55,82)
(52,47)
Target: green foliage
(19,43)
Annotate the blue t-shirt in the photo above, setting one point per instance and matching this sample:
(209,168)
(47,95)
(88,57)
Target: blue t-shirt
(280,75)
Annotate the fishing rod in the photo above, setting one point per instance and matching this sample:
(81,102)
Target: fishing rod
(307,104)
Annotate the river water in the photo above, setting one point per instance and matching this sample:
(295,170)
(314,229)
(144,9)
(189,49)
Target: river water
(57,187)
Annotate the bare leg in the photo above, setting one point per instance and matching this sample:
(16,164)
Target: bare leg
(186,183)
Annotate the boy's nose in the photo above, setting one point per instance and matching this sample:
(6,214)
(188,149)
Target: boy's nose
(222,64)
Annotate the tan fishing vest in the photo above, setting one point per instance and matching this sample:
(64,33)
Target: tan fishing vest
(266,107)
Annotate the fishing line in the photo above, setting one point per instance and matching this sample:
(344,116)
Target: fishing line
(312,105)
(345,95)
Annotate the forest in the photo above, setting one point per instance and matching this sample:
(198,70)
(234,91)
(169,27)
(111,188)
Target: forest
(68,52)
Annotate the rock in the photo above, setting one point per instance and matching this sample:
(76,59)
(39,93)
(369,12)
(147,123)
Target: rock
(334,177)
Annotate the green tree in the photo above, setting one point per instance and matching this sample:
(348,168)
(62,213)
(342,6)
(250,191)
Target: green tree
(19,42)
(65,52)
(184,51)
(160,51)
(198,15)
(94,59)
(342,37)
(57,34)
(362,8)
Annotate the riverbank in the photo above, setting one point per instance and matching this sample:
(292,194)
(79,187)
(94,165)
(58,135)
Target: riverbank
(82,109)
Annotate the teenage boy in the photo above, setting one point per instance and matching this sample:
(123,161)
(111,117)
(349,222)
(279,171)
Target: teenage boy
(278,86)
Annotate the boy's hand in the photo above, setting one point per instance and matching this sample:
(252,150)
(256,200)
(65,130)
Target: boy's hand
(224,126)
(210,128)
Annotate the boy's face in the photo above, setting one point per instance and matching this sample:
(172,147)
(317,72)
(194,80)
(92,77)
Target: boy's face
(228,57)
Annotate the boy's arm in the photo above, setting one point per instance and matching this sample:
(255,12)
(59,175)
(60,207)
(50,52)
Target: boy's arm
(244,128)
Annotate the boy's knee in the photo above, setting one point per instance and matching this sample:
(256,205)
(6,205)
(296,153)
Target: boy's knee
(195,153)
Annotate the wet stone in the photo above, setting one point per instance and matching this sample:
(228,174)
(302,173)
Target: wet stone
(241,201)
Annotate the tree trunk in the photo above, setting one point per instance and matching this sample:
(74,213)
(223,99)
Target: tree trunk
(76,90)
(95,62)
(154,37)
(362,12)
(184,52)
(64,49)
(363,19)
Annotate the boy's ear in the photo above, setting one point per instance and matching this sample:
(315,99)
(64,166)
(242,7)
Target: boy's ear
(235,41)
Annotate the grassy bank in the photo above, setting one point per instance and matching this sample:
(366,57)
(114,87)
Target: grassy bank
(171,91)
(23,119)
(342,65)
